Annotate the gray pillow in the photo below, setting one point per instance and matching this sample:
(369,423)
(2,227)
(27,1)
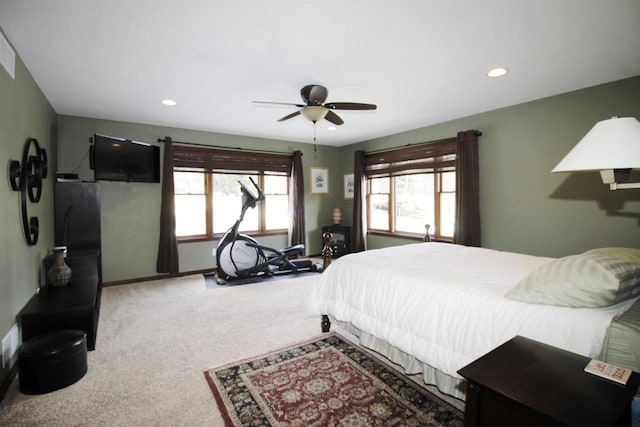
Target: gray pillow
(596,278)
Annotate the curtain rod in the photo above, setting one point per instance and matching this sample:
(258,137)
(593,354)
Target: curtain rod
(415,144)
(226,148)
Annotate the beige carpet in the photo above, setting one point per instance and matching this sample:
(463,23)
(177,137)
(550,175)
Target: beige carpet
(155,340)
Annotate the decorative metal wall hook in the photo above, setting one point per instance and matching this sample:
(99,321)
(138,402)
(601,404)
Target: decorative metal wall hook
(26,177)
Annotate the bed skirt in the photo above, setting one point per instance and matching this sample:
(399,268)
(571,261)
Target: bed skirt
(445,384)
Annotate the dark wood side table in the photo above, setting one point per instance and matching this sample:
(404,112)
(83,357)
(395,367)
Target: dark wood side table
(527,383)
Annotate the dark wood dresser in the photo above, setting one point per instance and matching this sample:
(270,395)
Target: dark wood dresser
(527,383)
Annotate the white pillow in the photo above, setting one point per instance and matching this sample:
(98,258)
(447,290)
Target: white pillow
(596,278)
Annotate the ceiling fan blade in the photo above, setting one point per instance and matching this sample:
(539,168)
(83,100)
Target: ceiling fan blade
(278,103)
(314,94)
(349,106)
(334,118)
(289,116)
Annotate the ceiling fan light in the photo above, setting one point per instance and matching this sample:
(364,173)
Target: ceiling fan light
(314,113)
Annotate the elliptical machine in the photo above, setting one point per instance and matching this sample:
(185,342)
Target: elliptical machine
(239,256)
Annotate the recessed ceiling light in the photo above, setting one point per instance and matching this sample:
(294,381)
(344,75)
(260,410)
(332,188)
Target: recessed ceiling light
(169,102)
(497,72)
(331,128)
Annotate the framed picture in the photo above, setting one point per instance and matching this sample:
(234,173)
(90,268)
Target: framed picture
(348,186)
(319,180)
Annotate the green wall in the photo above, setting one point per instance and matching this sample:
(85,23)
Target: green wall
(525,208)
(130,211)
(24,113)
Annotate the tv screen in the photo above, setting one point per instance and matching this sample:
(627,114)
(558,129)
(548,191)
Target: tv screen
(118,159)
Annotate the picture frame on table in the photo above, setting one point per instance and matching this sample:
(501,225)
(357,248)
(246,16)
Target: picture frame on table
(319,180)
(348,186)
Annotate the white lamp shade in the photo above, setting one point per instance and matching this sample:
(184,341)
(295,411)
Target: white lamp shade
(610,144)
(314,113)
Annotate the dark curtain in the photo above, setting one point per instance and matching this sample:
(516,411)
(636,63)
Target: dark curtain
(296,201)
(168,246)
(358,236)
(467,226)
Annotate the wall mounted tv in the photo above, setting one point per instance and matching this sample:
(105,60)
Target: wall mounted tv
(119,159)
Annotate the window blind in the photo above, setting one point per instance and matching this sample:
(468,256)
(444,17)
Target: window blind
(423,158)
(221,160)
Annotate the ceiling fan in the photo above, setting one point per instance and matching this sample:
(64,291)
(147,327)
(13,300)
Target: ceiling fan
(315,108)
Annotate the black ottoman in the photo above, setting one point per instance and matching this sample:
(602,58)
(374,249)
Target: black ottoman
(52,361)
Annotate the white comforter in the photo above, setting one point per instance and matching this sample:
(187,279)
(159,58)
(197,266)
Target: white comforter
(445,305)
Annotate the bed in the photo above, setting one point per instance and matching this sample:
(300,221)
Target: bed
(435,307)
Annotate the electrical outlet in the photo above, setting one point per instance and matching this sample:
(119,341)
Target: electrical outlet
(5,350)
(9,345)
(6,343)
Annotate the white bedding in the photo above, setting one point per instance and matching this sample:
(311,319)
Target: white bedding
(445,305)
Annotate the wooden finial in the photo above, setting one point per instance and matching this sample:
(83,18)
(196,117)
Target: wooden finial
(327,252)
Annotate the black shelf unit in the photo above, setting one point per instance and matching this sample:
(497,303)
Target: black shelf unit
(77,216)
(76,305)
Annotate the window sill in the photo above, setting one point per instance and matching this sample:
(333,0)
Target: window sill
(217,236)
(409,236)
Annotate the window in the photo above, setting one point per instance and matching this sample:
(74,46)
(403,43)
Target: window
(411,187)
(208,199)
(191,203)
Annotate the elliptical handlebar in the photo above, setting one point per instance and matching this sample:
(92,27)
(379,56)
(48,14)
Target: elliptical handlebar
(258,189)
(249,199)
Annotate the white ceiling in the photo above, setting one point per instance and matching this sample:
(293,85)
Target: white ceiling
(421,62)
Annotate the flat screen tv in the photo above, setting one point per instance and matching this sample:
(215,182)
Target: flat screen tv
(118,159)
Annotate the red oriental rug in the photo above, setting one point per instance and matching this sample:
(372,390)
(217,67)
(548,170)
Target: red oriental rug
(324,382)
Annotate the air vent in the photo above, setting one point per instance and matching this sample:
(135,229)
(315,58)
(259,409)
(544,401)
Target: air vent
(7,56)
